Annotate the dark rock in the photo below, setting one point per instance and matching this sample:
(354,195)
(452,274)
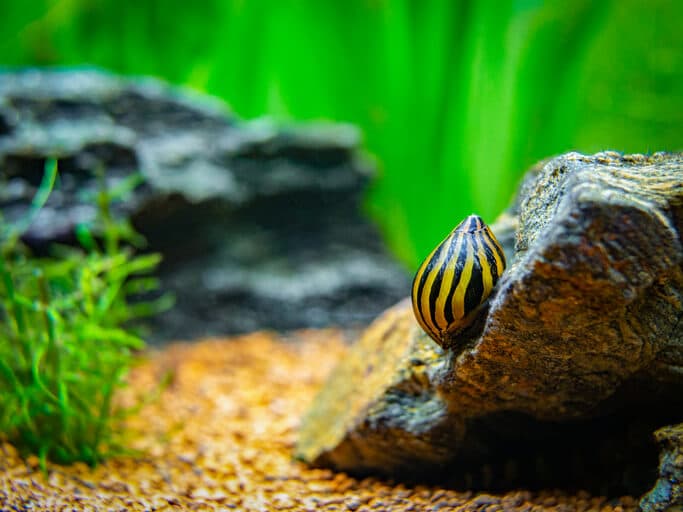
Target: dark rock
(667,494)
(259,224)
(578,358)
(5,126)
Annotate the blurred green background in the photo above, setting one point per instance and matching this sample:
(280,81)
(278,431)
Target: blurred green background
(455,98)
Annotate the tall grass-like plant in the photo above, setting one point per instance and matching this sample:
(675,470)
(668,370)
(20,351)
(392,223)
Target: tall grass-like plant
(64,347)
(456,98)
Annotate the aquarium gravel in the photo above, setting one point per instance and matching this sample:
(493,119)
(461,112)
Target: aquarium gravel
(221,438)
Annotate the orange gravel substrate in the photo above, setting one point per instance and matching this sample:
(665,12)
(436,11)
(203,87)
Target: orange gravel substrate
(221,438)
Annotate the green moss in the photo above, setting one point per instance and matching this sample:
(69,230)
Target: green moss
(65,348)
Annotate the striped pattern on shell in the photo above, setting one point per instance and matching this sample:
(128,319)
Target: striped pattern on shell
(456,278)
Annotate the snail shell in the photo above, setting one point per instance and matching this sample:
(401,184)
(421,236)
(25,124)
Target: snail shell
(456,278)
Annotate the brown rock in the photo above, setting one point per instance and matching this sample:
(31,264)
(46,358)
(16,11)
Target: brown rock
(582,339)
(390,363)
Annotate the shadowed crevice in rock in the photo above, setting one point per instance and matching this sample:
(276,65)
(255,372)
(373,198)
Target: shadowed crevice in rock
(612,457)
(578,360)
(5,126)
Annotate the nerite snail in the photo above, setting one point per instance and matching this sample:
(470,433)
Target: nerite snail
(457,278)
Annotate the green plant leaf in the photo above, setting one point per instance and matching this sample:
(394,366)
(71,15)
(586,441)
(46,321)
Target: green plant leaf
(65,352)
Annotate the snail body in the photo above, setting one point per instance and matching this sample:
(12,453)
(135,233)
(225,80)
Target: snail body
(456,279)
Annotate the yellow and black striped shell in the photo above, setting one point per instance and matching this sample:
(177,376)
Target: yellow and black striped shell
(457,278)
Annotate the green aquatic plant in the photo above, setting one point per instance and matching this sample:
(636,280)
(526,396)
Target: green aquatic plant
(66,344)
(456,98)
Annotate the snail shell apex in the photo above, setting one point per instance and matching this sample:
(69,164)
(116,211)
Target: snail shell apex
(456,279)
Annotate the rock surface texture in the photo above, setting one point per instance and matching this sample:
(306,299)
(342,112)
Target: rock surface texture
(668,491)
(259,225)
(577,361)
